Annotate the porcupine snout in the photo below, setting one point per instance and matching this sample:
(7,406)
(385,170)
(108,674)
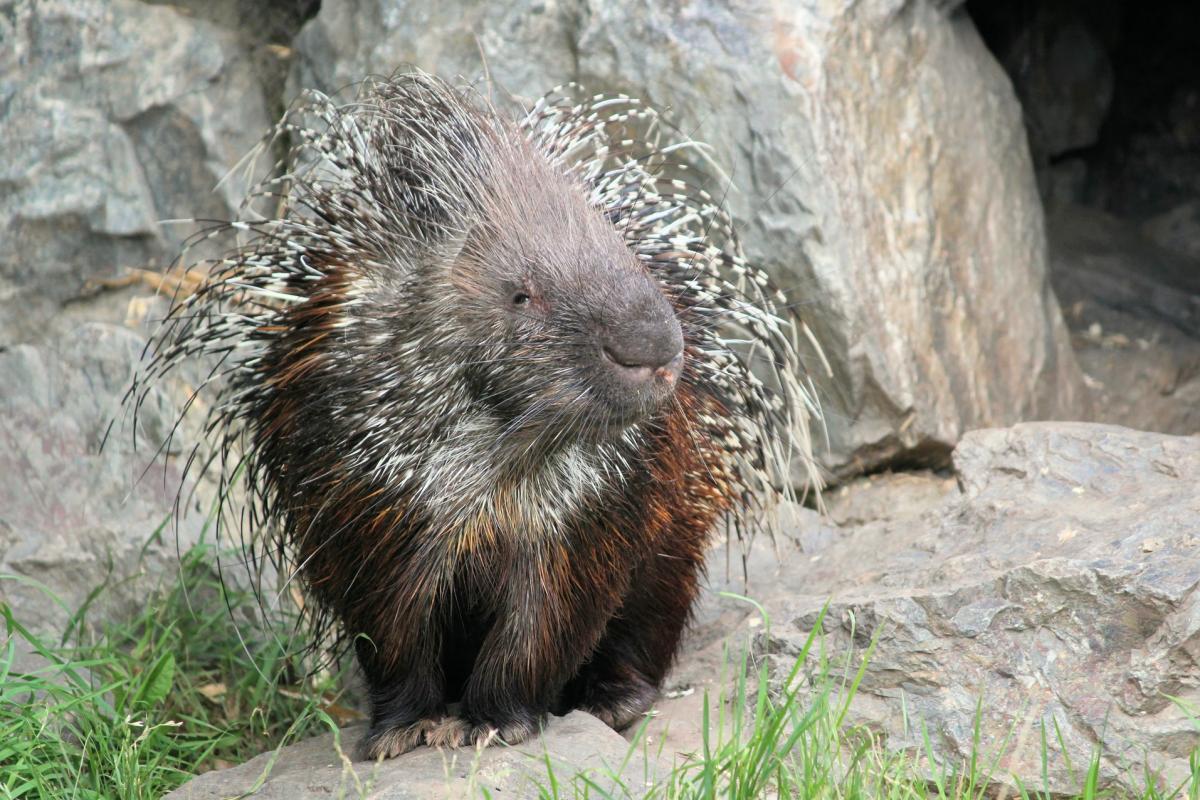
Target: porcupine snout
(643,350)
(639,345)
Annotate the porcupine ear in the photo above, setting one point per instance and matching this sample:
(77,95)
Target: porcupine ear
(636,174)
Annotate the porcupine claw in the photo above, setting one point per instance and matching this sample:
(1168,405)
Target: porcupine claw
(619,704)
(458,732)
(391,741)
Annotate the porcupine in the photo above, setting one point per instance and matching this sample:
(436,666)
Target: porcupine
(489,384)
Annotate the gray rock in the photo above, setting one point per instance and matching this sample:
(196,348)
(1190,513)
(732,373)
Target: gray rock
(114,115)
(1134,311)
(1065,81)
(1063,184)
(72,516)
(879,169)
(1058,585)
(1177,230)
(575,745)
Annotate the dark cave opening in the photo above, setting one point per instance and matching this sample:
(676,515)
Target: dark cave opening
(1110,95)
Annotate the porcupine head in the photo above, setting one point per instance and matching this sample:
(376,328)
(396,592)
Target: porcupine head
(487,390)
(565,338)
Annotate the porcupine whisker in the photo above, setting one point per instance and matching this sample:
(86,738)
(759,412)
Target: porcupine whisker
(553,424)
(529,414)
(165,445)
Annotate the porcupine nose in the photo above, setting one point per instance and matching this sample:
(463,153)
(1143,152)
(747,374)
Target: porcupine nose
(643,351)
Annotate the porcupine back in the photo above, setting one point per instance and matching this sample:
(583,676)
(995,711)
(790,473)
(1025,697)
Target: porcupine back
(335,288)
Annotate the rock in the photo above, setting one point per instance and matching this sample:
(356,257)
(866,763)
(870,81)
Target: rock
(879,166)
(73,517)
(577,744)
(1064,78)
(1058,585)
(1097,256)
(1061,57)
(1177,230)
(1152,175)
(255,21)
(115,115)
(887,496)
(1141,373)
(1063,183)
(1134,310)
(724,625)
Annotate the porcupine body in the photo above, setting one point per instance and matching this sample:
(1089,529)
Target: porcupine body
(489,382)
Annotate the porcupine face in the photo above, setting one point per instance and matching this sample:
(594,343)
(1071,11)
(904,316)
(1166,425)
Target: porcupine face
(588,344)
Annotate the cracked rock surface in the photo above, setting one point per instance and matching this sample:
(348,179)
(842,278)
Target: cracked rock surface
(1055,586)
(115,115)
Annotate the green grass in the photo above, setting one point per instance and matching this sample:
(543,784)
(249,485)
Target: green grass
(134,710)
(198,681)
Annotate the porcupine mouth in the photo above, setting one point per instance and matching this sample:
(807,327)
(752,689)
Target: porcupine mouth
(608,399)
(630,394)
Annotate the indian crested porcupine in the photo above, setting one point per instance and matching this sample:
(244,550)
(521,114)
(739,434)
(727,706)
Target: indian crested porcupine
(488,385)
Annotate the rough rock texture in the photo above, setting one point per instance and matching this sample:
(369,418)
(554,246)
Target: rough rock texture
(114,115)
(880,170)
(1059,585)
(1099,255)
(576,745)
(72,516)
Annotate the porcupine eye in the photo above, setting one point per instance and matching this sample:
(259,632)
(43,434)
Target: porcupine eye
(520,299)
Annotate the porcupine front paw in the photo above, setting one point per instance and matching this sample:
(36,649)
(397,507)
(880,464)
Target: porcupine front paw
(460,731)
(389,741)
(619,702)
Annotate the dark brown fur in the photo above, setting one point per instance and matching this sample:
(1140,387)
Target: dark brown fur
(513,629)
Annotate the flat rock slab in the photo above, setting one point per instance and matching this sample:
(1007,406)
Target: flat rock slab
(581,751)
(1054,594)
